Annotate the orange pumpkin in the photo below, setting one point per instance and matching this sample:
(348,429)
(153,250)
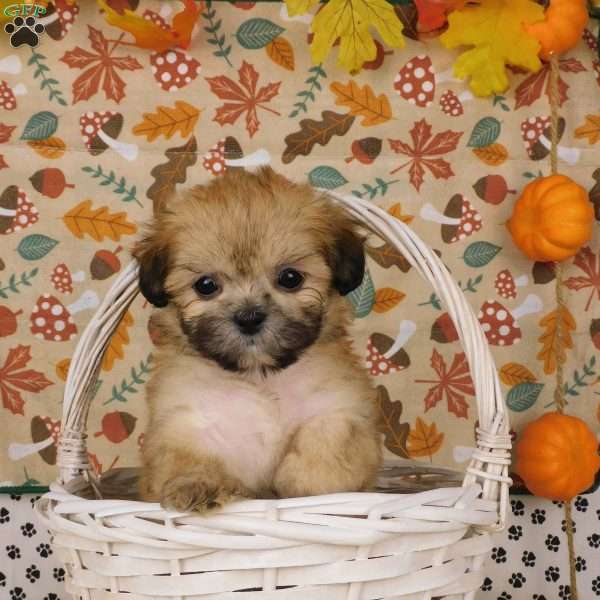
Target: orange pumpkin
(557,456)
(552,219)
(561,29)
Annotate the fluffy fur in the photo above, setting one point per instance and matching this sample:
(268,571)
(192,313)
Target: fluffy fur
(286,410)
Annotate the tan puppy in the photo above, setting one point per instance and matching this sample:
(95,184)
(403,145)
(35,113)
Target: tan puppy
(256,391)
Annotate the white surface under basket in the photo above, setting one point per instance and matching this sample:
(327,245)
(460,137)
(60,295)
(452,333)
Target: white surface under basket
(357,546)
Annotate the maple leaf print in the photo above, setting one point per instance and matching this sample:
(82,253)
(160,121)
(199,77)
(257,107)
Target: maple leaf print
(242,98)
(14,377)
(452,383)
(423,151)
(5,132)
(101,68)
(589,263)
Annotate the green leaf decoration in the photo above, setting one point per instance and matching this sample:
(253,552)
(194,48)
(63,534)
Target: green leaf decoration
(34,247)
(485,132)
(40,126)
(523,396)
(369,191)
(257,33)
(212,29)
(479,254)
(119,184)
(54,94)
(326,177)
(363,297)
(316,73)
(139,377)
(15,281)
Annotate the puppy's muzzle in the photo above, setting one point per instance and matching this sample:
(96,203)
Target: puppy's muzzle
(250,320)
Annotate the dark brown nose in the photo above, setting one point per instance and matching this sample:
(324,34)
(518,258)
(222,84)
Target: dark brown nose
(249,320)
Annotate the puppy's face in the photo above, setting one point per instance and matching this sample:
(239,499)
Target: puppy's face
(251,264)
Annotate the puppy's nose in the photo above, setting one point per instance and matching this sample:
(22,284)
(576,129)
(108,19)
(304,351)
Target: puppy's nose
(249,320)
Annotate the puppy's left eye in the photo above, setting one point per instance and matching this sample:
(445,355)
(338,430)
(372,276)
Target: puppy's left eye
(290,279)
(206,286)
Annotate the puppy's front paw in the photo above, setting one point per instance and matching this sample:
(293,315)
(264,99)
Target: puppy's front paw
(186,493)
(292,479)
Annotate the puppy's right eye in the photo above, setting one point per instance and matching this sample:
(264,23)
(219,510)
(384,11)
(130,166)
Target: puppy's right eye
(206,286)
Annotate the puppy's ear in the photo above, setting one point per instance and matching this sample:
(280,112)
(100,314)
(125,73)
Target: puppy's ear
(153,259)
(347,260)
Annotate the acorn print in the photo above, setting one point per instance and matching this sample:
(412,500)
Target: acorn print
(117,426)
(379,57)
(492,189)
(543,272)
(8,321)
(365,150)
(50,182)
(595,332)
(443,330)
(105,263)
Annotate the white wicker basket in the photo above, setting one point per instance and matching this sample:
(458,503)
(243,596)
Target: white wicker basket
(355,546)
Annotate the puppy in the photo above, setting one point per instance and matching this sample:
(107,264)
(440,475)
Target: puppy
(256,391)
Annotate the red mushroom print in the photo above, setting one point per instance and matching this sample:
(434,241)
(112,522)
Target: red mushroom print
(62,279)
(8,95)
(100,131)
(590,39)
(536,135)
(227,154)
(52,321)
(16,210)
(506,285)
(452,105)
(501,328)
(44,434)
(10,64)
(385,355)
(416,81)
(459,221)
(59,18)
(173,69)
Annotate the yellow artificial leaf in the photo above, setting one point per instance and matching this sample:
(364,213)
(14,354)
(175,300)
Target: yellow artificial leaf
(119,339)
(350,20)
(552,352)
(386,298)
(424,440)
(52,147)
(299,7)
(590,129)
(493,155)
(396,212)
(514,374)
(362,102)
(167,121)
(98,223)
(280,51)
(494,29)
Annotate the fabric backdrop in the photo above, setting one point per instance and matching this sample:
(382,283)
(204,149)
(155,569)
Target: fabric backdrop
(401,133)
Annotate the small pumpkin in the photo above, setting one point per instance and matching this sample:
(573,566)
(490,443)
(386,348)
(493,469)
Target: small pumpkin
(552,219)
(562,28)
(557,456)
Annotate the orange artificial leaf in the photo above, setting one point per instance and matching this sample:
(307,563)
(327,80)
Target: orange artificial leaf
(492,155)
(167,121)
(97,223)
(386,298)
(280,51)
(553,353)
(396,212)
(362,102)
(118,341)
(424,440)
(52,147)
(62,368)
(148,34)
(590,129)
(514,374)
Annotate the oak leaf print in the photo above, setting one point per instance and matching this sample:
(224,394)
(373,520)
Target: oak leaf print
(243,97)
(553,352)
(425,152)
(362,102)
(167,121)
(452,383)
(589,263)
(395,432)
(100,68)
(97,223)
(6,132)
(14,378)
(118,341)
(424,440)
(590,129)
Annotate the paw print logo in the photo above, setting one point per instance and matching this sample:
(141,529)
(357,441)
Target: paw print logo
(58,574)
(32,573)
(552,542)
(563,526)
(518,508)
(515,532)
(486,586)
(51,597)
(24,31)
(528,558)
(499,555)
(594,540)
(17,594)
(15,497)
(564,592)
(3,579)
(596,585)
(581,504)
(580,564)
(44,550)
(13,552)
(558,503)
(517,580)
(4,515)
(504,596)
(552,574)
(28,530)
(538,516)
(539,597)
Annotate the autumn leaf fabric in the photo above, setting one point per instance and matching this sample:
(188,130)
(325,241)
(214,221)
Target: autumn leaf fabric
(107,132)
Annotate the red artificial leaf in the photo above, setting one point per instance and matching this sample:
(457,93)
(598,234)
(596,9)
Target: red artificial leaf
(101,68)
(13,379)
(3,164)
(5,132)
(589,263)
(452,384)
(243,97)
(425,152)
